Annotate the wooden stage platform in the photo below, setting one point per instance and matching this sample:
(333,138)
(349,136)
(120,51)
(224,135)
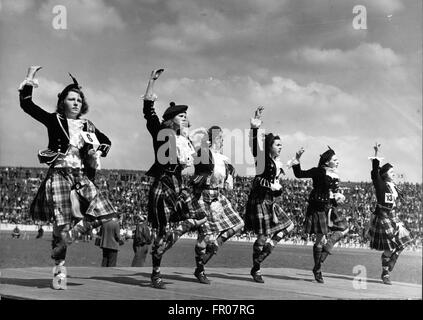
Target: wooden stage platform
(93,283)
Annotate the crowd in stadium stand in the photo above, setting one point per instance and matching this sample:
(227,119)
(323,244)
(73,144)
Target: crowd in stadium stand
(128,191)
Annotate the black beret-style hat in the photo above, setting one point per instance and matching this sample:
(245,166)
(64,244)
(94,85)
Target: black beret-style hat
(384,169)
(326,156)
(173,110)
(74,85)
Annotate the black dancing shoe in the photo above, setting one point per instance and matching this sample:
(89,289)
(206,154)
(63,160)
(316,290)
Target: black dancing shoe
(201,276)
(257,276)
(386,279)
(157,282)
(318,276)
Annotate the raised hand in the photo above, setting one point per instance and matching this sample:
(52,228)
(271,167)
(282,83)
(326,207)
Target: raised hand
(299,153)
(376,148)
(32,70)
(256,121)
(155,74)
(258,113)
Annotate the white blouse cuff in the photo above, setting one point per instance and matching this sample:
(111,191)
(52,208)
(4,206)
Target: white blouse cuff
(255,123)
(149,97)
(293,162)
(28,82)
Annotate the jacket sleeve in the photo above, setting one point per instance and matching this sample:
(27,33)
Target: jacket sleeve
(303,173)
(377,180)
(254,142)
(375,170)
(26,103)
(153,122)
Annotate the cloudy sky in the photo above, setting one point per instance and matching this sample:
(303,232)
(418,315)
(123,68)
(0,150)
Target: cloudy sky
(321,81)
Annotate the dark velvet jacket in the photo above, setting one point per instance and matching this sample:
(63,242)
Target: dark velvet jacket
(154,126)
(268,173)
(322,183)
(57,128)
(384,194)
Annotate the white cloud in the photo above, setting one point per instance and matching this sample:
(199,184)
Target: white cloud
(195,25)
(85,16)
(387,6)
(363,56)
(15,7)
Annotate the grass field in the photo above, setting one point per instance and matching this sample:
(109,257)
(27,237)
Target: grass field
(18,253)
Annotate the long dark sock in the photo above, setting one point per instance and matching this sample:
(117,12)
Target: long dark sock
(265,252)
(385,263)
(200,251)
(257,247)
(393,260)
(174,235)
(317,253)
(156,259)
(327,248)
(59,248)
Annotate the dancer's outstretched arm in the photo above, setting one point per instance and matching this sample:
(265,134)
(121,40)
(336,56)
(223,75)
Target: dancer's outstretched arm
(25,97)
(153,122)
(255,125)
(298,172)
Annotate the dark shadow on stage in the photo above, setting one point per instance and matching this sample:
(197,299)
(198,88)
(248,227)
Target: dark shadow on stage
(349,278)
(124,280)
(182,277)
(36,283)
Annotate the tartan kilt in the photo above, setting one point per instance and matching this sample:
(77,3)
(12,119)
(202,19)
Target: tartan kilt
(316,220)
(387,232)
(169,201)
(40,208)
(53,203)
(221,216)
(263,214)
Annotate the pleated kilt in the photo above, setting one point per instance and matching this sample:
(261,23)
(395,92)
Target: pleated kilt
(263,214)
(316,219)
(321,218)
(170,201)
(221,215)
(52,201)
(387,232)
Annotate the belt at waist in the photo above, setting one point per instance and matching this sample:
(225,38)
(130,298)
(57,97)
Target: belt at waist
(319,198)
(210,188)
(384,209)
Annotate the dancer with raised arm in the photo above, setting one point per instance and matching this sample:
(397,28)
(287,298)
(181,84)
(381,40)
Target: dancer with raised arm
(213,173)
(387,232)
(322,216)
(172,209)
(75,145)
(263,214)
